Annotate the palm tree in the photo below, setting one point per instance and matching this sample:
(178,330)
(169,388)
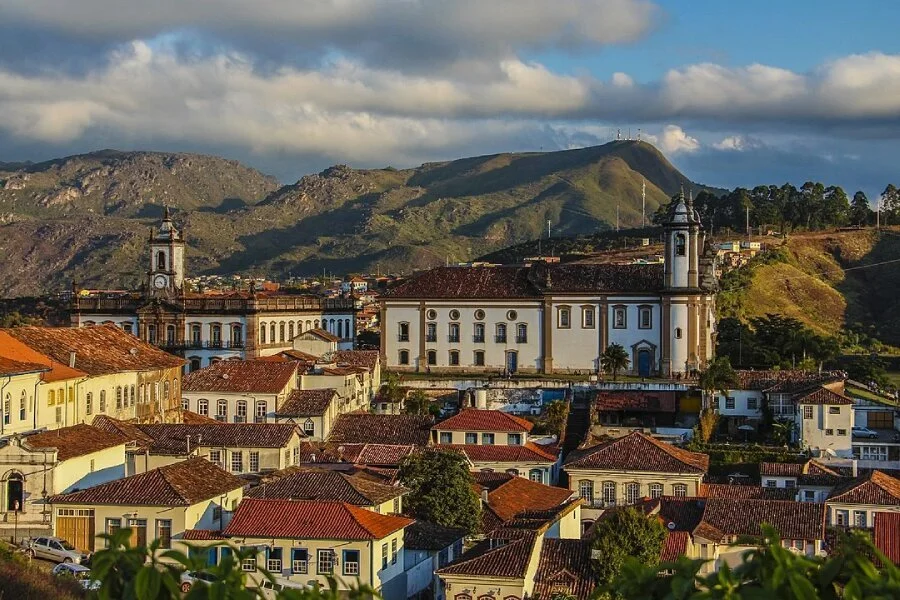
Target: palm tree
(614,359)
(718,377)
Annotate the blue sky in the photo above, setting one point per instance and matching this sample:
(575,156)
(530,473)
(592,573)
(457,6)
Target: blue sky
(733,93)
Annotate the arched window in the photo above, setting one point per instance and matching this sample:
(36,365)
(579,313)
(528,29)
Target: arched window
(185,404)
(680,244)
(521,333)
(262,333)
(501,333)
(432,357)
(160,261)
(291,330)
(203,407)
(316,323)
(281,331)
(166,391)
(132,395)
(272,333)
(51,397)
(454,358)
(237,335)
(609,493)
(196,335)
(261,410)
(679,490)
(299,327)
(170,334)
(632,492)
(175,387)
(656,490)
(222,410)
(102,406)
(308,325)
(151,334)
(89,403)
(347,328)
(119,397)
(195,364)
(309,428)
(536,475)
(586,490)
(404,357)
(215,332)
(6,409)
(678,333)
(340,329)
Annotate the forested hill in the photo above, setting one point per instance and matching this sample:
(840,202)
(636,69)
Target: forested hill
(87,216)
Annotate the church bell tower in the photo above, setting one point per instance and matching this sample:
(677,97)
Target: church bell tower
(166,274)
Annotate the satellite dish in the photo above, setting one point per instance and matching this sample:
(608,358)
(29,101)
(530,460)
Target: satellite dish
(671,526)
(133,351)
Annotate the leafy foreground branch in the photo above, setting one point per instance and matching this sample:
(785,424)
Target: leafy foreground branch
(856,571)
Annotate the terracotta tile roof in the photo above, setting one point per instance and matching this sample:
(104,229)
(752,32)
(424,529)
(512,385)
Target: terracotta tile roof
(76,440)
(345,371)
(191,418)
(792,520)
(367,359)
(538,520)
(362,428)
(303,483)
(509,560)
(674,546)
(130,431)
(636,401)
(202,535)
(99,349)
(519,495)
(746,492)
(786,381)
(564,566)
(311,520)
(173,437)
(361,454)
(874,488)
(822,396)
(13,351)
(322,334)
(490,480)
(677,514)
(887,535)
(307,403)
(638,452)
(528,453)
(474,419)
(179,484)
(577,278)
(809,473)
(423,535)
(247,376)
(466,282)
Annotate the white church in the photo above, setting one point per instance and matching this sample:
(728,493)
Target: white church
(559,318)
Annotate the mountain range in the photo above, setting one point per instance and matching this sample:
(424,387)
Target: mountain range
(87,216)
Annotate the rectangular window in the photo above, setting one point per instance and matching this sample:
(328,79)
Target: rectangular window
(752,403)
(394,551)
(620,320)
(564,319)
(487,439)
(254,462)
(809,496)
(842,432)
(273,561)
(834,410)
(859,518)
(587,318)
(447,437)
(299,560)
(215,457)
(454,358)
(396,506)
(249,563)
(237,462)
(478,338)
(521,333)
(164,533)
(770,483)
(471,438)
(479,358)
(842,517)
(790,483)
(514,439)
(729,403)
(645,318)
(384,556)
(829,432)
(261,410)
(431,332)
(403,334)
(351,562)
(807,412)
(112,526)
(454,333)
(325,561)
(138,532)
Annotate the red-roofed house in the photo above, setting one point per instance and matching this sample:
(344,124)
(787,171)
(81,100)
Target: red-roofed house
(306,540)
(855,503)
(478,426)
(887,535)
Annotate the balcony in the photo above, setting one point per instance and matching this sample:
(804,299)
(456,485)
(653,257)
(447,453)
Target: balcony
(521,339)
(403,337)
(478,338)
(431,337)
(453,339)
(500,339)
(199,345)
(240,419)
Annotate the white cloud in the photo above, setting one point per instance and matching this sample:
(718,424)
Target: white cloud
(673,140)
(738,143)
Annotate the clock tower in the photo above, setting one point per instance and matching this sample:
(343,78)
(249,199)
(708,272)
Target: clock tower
(166,274)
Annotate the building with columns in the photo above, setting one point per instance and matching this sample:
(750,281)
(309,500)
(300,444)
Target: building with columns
(551,317)
(212,326)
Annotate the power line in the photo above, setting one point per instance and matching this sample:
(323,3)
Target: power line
(878,264)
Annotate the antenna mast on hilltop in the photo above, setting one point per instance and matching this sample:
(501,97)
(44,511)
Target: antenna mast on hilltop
(643,202)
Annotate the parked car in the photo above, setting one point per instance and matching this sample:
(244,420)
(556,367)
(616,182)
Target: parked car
(78,572)
(271,589)
(864,432)
(190,578)
(55,549)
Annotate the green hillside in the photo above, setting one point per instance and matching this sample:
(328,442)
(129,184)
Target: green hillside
(86,216)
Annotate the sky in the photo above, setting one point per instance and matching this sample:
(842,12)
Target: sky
(734,93)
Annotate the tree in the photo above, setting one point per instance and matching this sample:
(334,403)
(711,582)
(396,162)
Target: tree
(614,359)
(556,414)
(718,377)
(707,424)
(621,534)
(417,403)
(890,204)
(860,213)
(391,391)
(857,570)
(441,489)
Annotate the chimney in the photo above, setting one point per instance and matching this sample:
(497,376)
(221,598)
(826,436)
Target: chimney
(71,359)
(854,467)
(484,495)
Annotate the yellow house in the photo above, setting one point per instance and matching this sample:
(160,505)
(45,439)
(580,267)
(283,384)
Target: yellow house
(159,504)
(53,462)
(305,541)
(314,411)
(855,503)
(625,470)
(307,483)
(473,426)
(118,375)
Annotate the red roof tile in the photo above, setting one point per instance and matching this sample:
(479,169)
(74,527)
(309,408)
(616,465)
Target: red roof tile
(822,396)
(786,381)
(77,440)
(367,359)
(887,535)
(12,351)
(874,488)
(9,367)
(519,495)
(202,535)
(242,376)
(322,334)
(509,560)
(173,437)
(674,546)
(307,403)
(528,453)
(192,418)
(809,473)
(360,454)
(636,401)
(638,452)
(311,519)
(99,349)
(746,492)
(792,520)
(179,484)
(362,428)
(565,566)
(474,419)
(129,430)
(423,535)
(304,483)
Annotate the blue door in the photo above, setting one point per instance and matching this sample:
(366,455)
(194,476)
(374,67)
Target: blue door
(512,362)
(644,363)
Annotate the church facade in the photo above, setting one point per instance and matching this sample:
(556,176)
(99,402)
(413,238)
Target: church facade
(207,327)
(559,318)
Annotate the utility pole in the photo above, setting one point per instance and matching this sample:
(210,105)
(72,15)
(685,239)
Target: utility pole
(548,230)
(617,217)
(748,223)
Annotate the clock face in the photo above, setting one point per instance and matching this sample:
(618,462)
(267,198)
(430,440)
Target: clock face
(159,282)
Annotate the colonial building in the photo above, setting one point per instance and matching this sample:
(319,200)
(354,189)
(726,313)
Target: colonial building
(558,317)
(205,327)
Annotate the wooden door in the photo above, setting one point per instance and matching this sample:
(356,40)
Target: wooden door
(77,528)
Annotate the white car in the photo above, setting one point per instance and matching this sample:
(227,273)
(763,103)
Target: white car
(864,432)
(190,578)
(55,549)
(78,572)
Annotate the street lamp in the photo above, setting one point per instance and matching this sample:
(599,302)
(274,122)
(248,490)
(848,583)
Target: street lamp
(16,506)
